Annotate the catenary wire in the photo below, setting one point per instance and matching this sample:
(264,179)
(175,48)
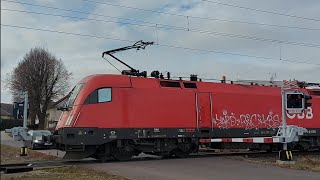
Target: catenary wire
(146,24)
(195,17)
(68,33)
(177,28)
(261,10)
(215,2)
(162,45)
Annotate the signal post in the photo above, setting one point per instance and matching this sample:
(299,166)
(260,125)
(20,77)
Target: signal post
(23,149)
(293,103)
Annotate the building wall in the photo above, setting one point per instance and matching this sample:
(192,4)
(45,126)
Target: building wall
(6,117)
(53,115)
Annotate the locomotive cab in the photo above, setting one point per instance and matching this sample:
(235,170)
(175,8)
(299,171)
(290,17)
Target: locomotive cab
(94,104)
(92,96)
(67,115)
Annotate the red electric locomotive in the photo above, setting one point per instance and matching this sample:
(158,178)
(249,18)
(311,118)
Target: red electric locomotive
(119,116)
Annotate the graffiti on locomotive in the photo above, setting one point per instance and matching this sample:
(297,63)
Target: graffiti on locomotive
(268,120)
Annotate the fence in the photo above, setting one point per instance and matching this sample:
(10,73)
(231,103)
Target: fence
(10,123)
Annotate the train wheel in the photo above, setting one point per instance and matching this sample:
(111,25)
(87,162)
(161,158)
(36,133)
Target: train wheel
(137,152)
(123,153)
(104,158)
(180,153)
(185,147)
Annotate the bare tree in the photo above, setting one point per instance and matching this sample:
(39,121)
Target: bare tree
(45,78)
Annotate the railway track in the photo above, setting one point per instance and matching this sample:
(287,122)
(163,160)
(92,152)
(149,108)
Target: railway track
(32,165)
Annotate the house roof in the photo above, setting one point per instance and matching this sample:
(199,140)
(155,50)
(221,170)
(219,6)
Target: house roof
(6,109)
(59,103)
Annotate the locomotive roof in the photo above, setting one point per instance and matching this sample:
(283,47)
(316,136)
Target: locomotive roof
(150,82)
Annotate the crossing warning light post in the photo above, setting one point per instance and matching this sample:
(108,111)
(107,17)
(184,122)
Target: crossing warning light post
(284,154)
(292,103)
(23,150)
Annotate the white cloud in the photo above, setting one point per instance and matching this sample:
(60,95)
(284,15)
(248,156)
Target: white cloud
(82,55)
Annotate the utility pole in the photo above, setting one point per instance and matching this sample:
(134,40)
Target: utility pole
(23,150)
(284,121)
(25,109)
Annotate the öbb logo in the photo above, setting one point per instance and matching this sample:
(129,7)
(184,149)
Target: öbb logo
(307,114)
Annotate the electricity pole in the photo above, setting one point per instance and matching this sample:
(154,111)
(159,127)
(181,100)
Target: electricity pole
(23,149)
(284,121)
(25,109)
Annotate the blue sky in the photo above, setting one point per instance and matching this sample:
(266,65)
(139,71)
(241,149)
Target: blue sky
(82,55)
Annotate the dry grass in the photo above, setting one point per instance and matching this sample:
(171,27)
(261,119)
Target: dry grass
(302,162)
(11,155)
(307,162)
(65,173)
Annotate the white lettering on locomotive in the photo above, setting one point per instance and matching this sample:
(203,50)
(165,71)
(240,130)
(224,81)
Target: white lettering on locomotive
(313,131)
(307,114)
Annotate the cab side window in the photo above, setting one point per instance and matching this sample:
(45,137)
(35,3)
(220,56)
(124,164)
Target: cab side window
(99,96)
(104,95)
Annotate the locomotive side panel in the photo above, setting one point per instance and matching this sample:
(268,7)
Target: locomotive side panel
(112,114)
(242,110)
(246,111)
(161,108)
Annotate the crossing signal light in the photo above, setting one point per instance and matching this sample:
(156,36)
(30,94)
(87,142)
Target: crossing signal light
(294,101)
(297,102)
(306,99)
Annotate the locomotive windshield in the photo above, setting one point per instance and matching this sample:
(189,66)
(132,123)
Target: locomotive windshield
(74,94)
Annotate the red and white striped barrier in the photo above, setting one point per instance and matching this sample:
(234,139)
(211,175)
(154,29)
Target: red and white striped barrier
(290,84)
(242,140)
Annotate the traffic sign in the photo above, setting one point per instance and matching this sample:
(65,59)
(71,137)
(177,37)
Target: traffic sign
(294,111)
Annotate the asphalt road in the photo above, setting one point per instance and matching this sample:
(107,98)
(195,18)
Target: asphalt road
(203,168)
